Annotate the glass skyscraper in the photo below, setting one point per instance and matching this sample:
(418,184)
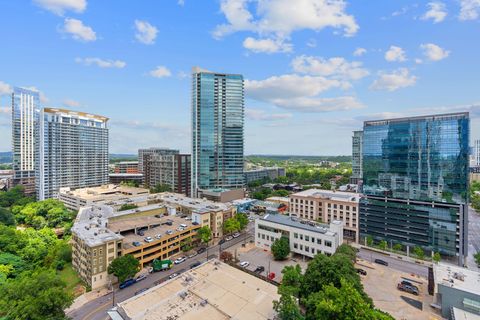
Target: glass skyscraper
(217,130)
(25,114)
(415,182)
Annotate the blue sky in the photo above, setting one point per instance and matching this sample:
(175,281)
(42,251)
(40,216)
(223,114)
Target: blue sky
(314,69)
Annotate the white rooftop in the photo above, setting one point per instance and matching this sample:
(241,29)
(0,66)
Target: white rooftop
(457,277)
(329,194)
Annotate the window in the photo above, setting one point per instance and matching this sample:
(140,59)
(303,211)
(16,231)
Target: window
(301,247)
(313,250)
(263,236)
(307,238)
(301,237)
(313,240)
(295,235)
(328,243)
(319,241)
(295,245)
(307,248)
(94,252)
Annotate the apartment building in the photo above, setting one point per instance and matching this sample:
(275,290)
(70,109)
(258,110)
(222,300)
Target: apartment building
(270,173)
(305,237)
(126,167)
(357,147)
(172,170)
(327,206)
(73,151)
(101,233)
(142,153)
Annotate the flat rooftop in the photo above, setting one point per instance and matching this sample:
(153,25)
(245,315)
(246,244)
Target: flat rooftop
(329,194)
(300,224)
(105,192)
(457,278)
(213,291)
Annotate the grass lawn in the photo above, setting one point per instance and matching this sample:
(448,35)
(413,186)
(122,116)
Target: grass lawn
(69,276)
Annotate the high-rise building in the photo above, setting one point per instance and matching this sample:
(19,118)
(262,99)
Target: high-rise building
(357,172)
(73,151)
(25,113)
(415,183)
(217,130)
(142,153)
(172,170)
(476,152)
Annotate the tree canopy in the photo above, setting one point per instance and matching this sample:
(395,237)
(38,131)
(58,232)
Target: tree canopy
(280,248)
(204,234)
(231,225)
(124,267)
(47,213)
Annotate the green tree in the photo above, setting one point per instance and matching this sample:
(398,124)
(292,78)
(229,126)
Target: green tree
(161,188)
(34,296)
(280,248)
(369,241)
(341,303)
(419,253)
(13,196)
(383,245)
(242,220)
(436,257)
(127,206)
(287,306)
(124,267)
(6,217)
(231,225)
(292,277)
(204,234)
(280,193)
(47,213)
(397,247)
(16,264)
(476,256)
(347,250)
(186,245)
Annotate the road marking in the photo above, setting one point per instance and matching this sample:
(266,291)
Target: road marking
(94,311)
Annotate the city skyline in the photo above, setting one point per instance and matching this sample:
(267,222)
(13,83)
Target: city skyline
(319,79)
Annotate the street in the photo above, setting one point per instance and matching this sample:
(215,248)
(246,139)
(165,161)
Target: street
(96,309)
(473,238)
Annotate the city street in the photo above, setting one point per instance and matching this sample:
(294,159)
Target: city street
(96,309)
(473,238)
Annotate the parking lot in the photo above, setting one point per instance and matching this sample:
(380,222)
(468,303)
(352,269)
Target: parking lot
(258,257)
(380,284)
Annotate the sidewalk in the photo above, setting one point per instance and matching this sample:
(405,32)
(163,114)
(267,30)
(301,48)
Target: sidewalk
(85,298)
(393,255)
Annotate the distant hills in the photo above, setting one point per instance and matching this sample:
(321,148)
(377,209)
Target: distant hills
(6,157)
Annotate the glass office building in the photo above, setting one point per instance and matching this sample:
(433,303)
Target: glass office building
(415,182)
(217,130)
(25,115)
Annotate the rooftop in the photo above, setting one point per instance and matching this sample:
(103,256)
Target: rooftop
(105,192)
(445,116)
(76,114)
(214,291)
(300,224)
(329,195)
(457,277)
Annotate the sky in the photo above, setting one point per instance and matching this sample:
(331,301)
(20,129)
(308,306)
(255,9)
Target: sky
(314,70)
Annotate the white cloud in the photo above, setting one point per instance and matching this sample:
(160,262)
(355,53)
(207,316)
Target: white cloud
(359,52)
(266,45)
(160,72)
(181,2)
(5,88)
(418,61)
(71,103)
(395,54)
(434,52)
(469,9)
(336,67)
(59,7)
(78,30)
(146,33)
(395,80)
(102,63)
(262,115)
(280,18)
(300,93)
(5,110)
(437,12)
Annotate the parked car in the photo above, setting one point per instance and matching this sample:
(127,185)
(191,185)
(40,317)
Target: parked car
(180,229)
(180,260)
(406,288)
(141,277)
(188,218)
(158,215)
(408,283)
(228,238)
(362,272)
(148,239)
(192,254)
(173,275)
(382,262)
(183,225)
(141,233)
(194,265)
(201,250)
(236,235)
(169,223)
(195,223)
(260,269)
(222,241)
(244,264)
(126,283)
(169,232)
(158,236)
(136,244)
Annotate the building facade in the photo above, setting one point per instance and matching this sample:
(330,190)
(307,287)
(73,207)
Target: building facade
(327,206)
(73,151)
(126,167)
(357,172)
(476,153)
(264,174)
(171,170)
(305,239)
(217,131)
(142,153)
(25,116)
(415,182)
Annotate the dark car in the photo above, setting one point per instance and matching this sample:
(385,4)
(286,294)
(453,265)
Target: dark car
(201,250)
(127,283)
(141,233)
(407,288)
(221,241)
(362,272)
(382,262)
(136,243)
(408,283)
(195,223)
(194,265)
(259,269)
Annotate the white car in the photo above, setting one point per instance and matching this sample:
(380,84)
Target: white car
(169,232)
(188,218)
(236,235)
(244,264)
(158,236)
(192,255)
(148,239)
(180,260)
(228,238)
(173,275)
(180,229)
